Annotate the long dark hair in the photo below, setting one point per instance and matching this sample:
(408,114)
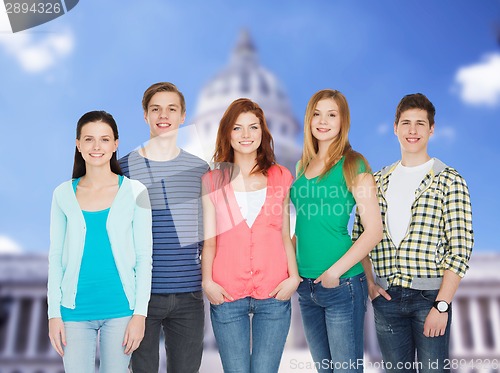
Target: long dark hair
(79,168)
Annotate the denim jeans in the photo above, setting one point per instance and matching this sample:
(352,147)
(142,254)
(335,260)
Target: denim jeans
(255,348)
(81,342)
(334,322)
(400,327)
(182,318)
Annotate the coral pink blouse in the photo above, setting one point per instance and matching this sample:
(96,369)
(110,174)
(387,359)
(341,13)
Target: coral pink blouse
(249,261)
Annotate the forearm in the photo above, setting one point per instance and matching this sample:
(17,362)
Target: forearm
(287,241)
(364,192)
(449,286)
(291,258)
(358,251)
(143,246)
(55,270)
(207,260)
(368,267)
(143,275)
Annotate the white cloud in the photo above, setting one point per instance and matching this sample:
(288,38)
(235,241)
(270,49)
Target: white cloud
(36,55)
(4,19)
(383,128)
(479,84)
(9,246)
(446,133)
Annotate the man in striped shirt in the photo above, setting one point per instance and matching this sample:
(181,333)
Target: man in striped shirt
(173,179)
(425,250)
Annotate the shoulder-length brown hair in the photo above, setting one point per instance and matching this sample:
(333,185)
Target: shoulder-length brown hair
(339,147)
(224,152)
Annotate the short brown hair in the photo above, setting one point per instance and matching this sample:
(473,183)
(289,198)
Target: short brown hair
(416,101)
(162,87)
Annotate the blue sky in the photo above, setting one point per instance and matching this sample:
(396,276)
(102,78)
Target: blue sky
(103,55)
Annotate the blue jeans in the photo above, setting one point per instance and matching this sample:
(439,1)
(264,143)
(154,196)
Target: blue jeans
(400,327)
(334,322)
(269,328)
(182,318)
(81,342)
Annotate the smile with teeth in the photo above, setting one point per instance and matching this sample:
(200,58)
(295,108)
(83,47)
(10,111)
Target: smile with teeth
(96,155)
(412,140)
(163,125)
(246,142)
(322,129)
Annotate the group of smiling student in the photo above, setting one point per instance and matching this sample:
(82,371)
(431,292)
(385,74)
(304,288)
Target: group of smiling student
(136,242)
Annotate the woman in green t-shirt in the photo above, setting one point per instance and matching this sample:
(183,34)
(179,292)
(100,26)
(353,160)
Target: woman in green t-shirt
(331,179)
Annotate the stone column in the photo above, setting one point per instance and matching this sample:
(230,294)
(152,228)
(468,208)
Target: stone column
(12,327)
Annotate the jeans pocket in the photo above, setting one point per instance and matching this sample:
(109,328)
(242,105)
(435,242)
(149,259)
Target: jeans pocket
(303,287)
(343,283)
(429,295)
(198,295)
(216,306)
(377,299)
(281,300)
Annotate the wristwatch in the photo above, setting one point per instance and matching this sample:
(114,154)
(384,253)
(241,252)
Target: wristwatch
(442,306)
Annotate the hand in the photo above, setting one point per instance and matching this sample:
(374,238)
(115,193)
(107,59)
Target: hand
(375,291)
(435,323)
(286,288)
(328,279)
(215,293)
(57,335)
(134,333)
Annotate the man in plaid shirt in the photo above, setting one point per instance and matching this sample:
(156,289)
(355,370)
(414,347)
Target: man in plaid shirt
(425,250)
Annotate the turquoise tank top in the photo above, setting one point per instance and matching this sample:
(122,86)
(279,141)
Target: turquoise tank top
(100,293)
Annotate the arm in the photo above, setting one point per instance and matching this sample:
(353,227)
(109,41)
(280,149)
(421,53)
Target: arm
(288,286)
(143,245)
(200,212)
(374,290)
(57,333)
(364,191)
(457,216)
(435,323)
(57,235)
(214,292)
(142,226)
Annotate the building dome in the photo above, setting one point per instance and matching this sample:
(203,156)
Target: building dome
(245,77)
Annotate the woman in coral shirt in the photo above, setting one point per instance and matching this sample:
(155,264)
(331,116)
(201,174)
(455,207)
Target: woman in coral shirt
(248,260)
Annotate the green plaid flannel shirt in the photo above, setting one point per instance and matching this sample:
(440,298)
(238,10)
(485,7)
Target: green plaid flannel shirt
(440,235)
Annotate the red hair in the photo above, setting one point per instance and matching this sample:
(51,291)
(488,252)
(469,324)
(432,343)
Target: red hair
(224,153)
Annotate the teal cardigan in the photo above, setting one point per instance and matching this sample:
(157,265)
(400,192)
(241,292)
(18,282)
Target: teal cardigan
(129,227)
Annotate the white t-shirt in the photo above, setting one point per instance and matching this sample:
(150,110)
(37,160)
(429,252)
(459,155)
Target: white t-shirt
(400,195)
(250,204)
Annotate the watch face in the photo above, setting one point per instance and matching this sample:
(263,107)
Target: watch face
(442,306)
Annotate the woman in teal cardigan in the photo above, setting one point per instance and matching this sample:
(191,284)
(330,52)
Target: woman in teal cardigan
(100,255)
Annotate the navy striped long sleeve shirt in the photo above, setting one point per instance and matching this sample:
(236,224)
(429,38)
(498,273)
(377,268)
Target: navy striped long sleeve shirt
(174,188)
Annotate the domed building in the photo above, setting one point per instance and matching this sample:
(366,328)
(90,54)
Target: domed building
(245,77)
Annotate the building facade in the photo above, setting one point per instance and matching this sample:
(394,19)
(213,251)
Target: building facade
(25,347)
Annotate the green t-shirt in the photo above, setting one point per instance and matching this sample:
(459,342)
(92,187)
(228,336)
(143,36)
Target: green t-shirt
(323,207)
